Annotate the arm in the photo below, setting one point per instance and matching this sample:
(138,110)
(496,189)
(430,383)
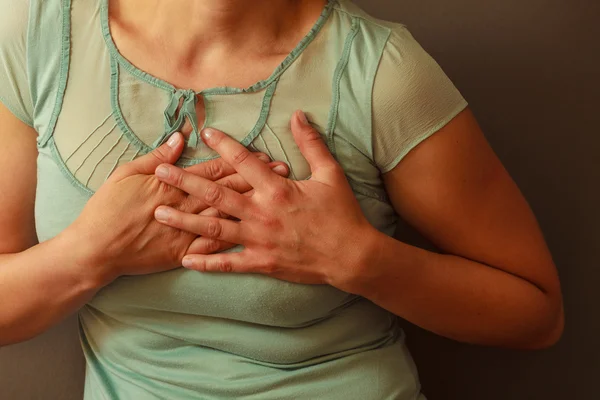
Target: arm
(496,284)
(30,279)
(41,284)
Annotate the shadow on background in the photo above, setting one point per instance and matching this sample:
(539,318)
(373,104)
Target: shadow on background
(531,72)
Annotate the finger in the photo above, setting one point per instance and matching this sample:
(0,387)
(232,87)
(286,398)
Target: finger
(223,262)
(212,228)
(256,173)
(211,193)
(218,168)
(313,148)
(234,182)
(167,153)
(203,245)
(213,212)
(237,183)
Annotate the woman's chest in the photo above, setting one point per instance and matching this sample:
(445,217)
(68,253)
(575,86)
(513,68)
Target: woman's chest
(250,298)
(110,116)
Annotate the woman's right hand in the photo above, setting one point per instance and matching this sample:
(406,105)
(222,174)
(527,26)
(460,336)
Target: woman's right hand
(117,233)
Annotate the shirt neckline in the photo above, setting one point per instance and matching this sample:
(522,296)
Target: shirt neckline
(160,83)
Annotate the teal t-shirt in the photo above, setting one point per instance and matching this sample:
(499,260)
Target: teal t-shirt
(366,85)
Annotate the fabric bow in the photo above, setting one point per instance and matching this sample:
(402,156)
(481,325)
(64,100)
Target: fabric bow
(174,121)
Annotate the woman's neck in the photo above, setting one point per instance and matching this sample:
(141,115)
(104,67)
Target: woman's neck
(207,43)
(193,26)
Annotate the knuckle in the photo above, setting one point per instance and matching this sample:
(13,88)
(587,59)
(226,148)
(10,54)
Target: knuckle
(162,188)
(241,156)
(214,229)
(159,154)
(228,183)
(213,194)
(211,246)
(311,135)
(214,170)
(177,177)
(270,222)
(200,265)
(222,215)
(223,266)
(280,195)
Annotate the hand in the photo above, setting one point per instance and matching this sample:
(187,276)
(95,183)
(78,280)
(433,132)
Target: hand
(301,231)
(117,228)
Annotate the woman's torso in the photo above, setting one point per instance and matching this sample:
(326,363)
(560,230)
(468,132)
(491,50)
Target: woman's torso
(182,334)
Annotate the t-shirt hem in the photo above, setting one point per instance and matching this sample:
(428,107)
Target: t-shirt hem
(390,166)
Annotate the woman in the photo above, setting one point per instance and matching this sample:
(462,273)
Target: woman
(309,307)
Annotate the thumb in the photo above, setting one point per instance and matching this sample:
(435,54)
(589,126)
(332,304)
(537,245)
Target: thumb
(167,153)
(312,147)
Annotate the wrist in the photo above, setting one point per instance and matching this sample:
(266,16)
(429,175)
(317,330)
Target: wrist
(361,261)
(87,259)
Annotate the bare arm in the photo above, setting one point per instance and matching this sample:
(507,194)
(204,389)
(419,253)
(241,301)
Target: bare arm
(49,277)
(40,284)
(496,284)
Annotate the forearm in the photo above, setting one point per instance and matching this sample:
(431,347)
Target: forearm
(42,285)
(456,297)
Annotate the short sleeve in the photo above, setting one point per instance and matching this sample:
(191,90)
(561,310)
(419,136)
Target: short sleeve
(412,99)
(14,86)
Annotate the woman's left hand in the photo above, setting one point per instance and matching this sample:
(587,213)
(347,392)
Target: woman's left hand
(309,231)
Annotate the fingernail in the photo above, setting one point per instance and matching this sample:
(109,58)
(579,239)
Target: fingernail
(302,118)
(174,139)
(162,172)
(187,262)
(207,134)
(280,169)
(162,214)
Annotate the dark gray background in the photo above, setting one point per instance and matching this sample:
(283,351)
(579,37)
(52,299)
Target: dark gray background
(531,72)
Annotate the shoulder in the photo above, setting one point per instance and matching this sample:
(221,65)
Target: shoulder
(391,43)
(412,98)
(409,78)
(405,63)
(14,87)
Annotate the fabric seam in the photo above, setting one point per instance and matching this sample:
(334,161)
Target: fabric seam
(391,165)
(65,170)
(136,141)
(280,145)
(114,98)
(337,78)
(366,20)
(281,68)
(372,83)
(63,73)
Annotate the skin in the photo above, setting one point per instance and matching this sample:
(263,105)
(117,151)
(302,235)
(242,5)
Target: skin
(53,279)
(227,43)
(495,283)
(114,235)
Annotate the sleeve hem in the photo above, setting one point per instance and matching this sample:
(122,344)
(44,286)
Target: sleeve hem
(26,120)
(390,166)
